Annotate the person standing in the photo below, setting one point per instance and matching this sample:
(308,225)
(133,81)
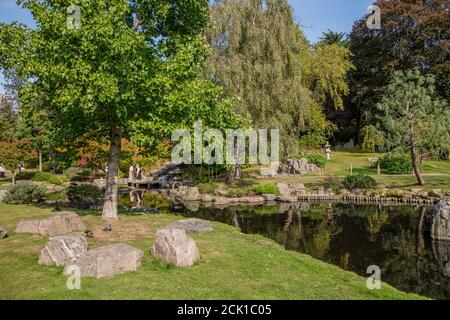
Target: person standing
(131,172)
(138,172)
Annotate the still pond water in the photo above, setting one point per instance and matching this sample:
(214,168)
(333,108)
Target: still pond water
(354,237)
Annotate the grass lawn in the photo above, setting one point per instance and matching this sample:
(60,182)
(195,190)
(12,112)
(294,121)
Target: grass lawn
(232,266)
(436,173)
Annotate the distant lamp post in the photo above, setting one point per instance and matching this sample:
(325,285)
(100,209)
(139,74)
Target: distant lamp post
(328,150)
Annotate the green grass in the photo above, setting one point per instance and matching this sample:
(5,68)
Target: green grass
(436,173)
(232,266)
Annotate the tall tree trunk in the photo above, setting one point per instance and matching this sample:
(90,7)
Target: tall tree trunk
(416,168)
(40,160)
(110,202)
(412,145)
(13,177)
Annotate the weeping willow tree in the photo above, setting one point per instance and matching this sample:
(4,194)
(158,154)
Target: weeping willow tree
(256,57)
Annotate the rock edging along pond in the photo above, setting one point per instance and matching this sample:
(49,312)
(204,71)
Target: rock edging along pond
(297,193)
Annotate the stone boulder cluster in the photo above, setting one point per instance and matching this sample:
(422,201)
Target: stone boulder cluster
(172,246)
(64,249)
(289,167)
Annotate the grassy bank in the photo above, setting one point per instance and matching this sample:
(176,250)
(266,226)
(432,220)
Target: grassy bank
(232,266)
(435,173)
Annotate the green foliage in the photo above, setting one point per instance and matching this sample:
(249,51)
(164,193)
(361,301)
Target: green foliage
(413,34)
(14,153)
(412,118)
(266,189)
(312,140)
(55,180)
(333,183)
(372,139)
(359,181)
(237,192)
(330,37)
(8,120)
(24,193)
(26,175)
(133,70)
(263,46)
(396,165)
(42,176)
(317,159)
(83,195)
(207,187)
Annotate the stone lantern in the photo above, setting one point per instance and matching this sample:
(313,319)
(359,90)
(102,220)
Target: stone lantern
(328,150)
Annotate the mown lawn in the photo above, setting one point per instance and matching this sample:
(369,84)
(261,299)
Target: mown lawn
(436,173)
(232,266)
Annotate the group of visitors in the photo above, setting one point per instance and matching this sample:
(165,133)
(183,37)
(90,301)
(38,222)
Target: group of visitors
(135,173)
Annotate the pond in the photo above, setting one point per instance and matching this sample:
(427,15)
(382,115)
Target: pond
(353,237)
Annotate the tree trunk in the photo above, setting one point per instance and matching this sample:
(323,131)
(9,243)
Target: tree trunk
(416,168)
(40,160)
(110,201)
(13,177)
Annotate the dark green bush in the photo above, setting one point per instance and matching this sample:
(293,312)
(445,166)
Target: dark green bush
(317,159)
(46,176)
(83,195)
(266,189)
(27,175)
(76,178)
(332,183)
(395,165)
(42,176)
(360,181)
(311,140)
(24,193)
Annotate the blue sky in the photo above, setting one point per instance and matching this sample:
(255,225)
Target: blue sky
(315,16)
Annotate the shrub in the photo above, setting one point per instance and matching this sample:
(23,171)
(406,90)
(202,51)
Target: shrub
(42,176)
(360,181)
(266,189)
(83,195)
(207,187)
(26,175)
(311,140)
(317,159)
(372,139)
(71,171)
(332,183)
(76,178)
(237,192)
(24,193)
(395,165)
(55,180)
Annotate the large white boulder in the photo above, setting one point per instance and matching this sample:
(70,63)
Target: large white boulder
(57,224)
(61,250)
(107,261)
(173,246)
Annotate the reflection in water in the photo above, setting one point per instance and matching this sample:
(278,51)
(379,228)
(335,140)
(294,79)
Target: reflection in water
(353,237)
(410,245)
